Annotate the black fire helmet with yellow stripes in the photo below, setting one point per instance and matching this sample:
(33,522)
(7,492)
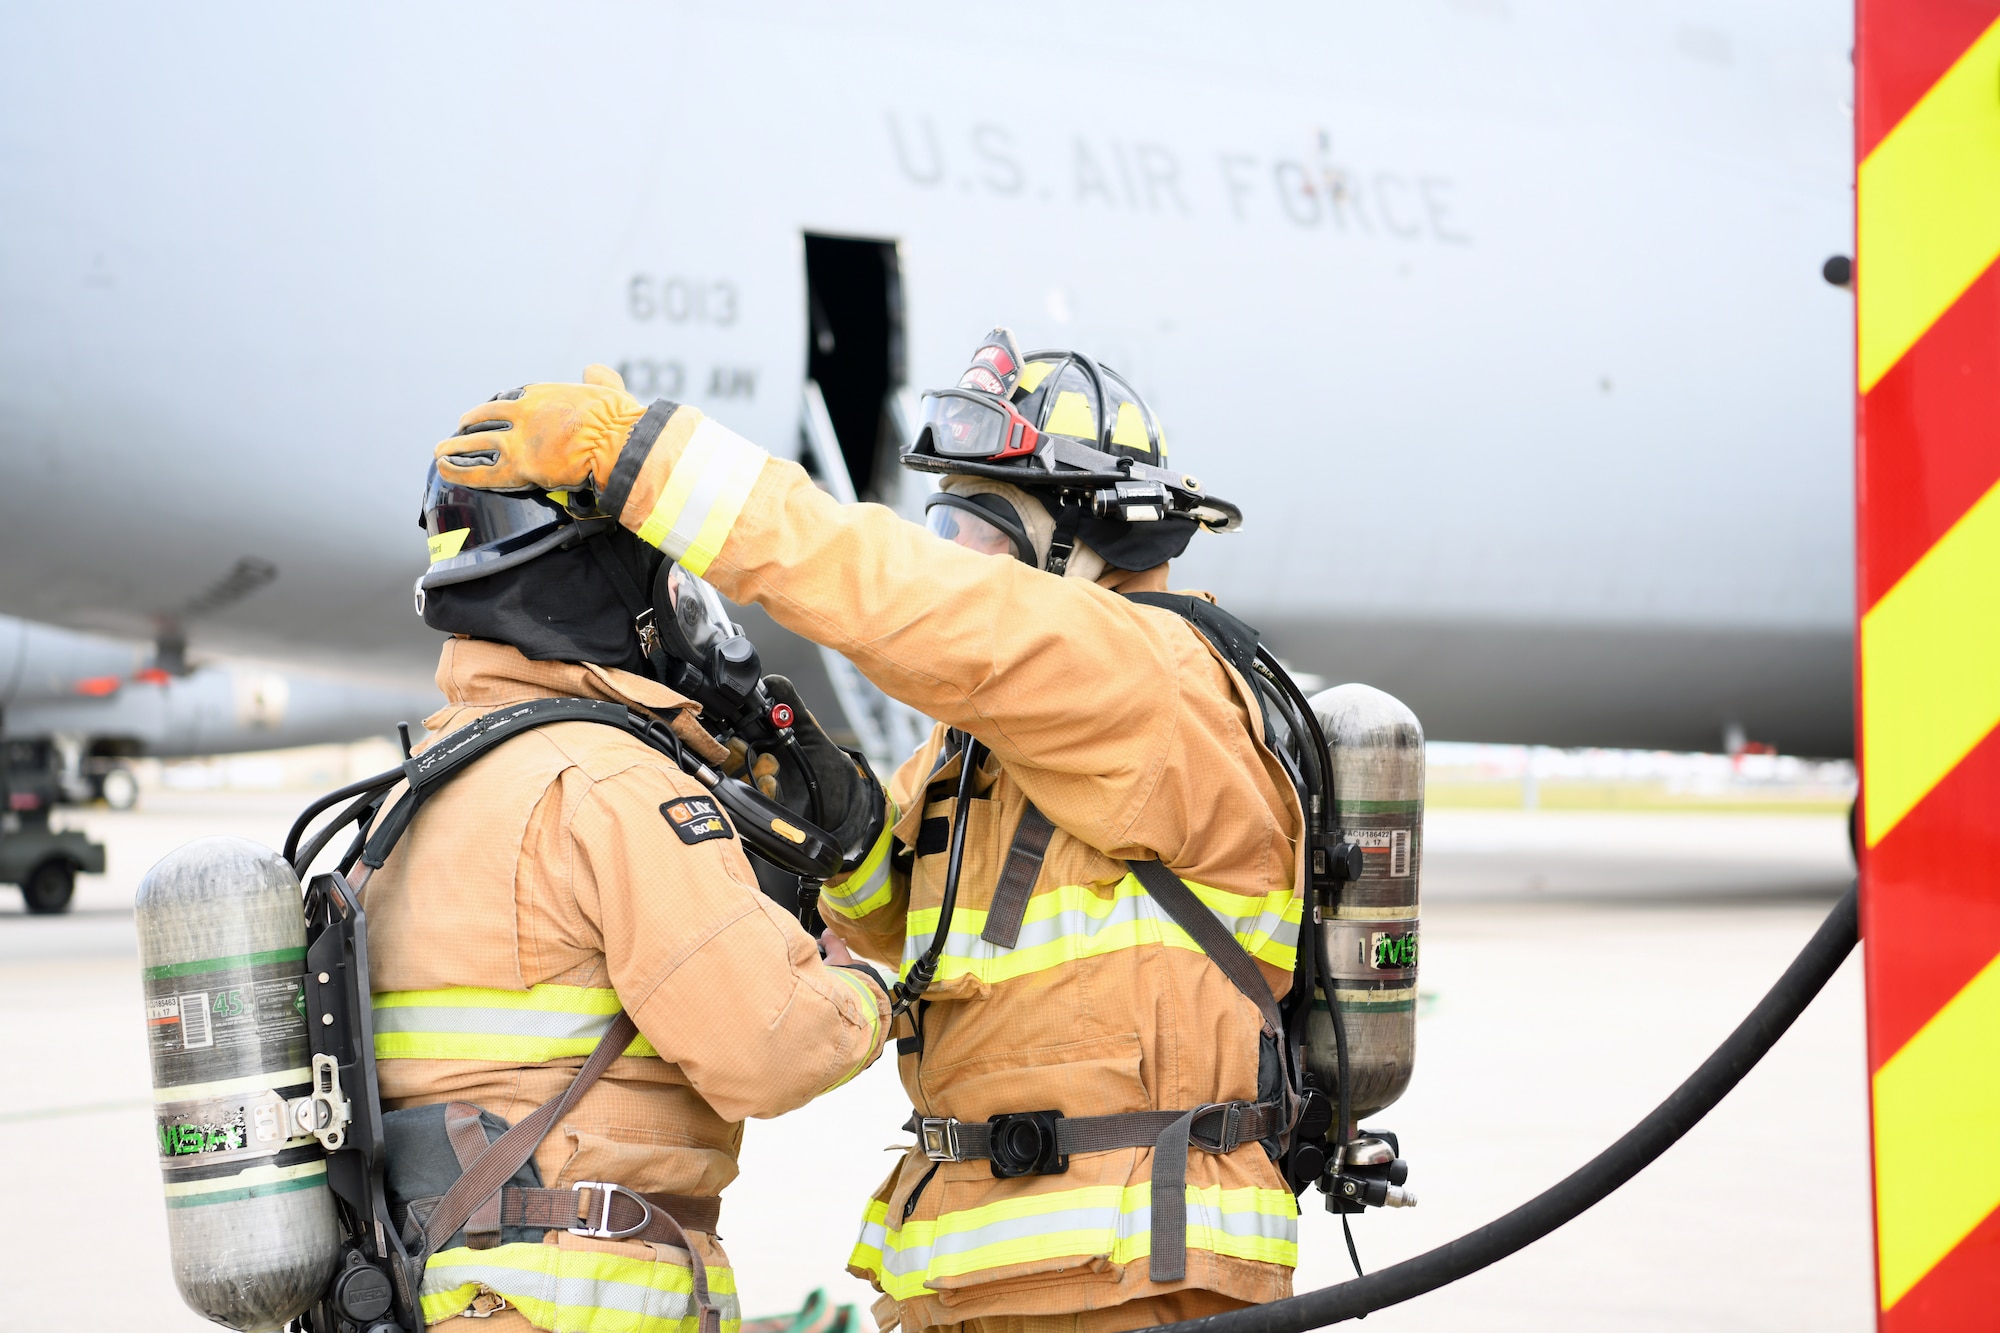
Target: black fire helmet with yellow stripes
(1072,432)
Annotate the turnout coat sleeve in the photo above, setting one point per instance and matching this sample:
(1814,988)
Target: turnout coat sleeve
(1117,719)
(718,979)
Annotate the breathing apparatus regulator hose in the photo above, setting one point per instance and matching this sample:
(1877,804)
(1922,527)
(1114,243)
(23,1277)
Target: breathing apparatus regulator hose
(912,987)
(1588,1184)
(815,811)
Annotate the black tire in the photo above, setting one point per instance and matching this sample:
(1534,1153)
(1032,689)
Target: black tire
(49,888)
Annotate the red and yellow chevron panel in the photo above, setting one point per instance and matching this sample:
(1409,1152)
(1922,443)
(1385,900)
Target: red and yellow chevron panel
(1927,225)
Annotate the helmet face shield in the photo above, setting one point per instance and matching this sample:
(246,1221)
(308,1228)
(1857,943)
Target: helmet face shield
(474,533)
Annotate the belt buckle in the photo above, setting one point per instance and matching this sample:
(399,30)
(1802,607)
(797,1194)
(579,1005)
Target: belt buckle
(939,1136)
(1231,1137)
(604,1230)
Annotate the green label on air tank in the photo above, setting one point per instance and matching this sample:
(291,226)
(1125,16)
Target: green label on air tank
(1393,952)
(185,1140)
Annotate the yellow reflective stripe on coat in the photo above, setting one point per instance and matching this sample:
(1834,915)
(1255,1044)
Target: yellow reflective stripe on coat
(703,495)
(868,887)
(867,1253)
(570,1290)
(512,1027)
(1077,921)
(874,1012)
(1112,1221)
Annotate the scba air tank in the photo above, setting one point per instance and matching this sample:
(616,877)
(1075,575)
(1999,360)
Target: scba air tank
(222,949)
(1377,746)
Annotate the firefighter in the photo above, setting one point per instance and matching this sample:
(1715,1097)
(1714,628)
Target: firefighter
(571,873)
(1105,732)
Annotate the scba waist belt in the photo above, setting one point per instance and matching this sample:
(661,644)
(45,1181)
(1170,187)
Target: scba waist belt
(1039,1143)
(1027,1143)
(596,1208)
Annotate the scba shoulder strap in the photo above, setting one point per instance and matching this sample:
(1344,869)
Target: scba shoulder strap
(442,761)
(1177,900)
(767,828)
(1292,734)
(1235,640)
(1017,878)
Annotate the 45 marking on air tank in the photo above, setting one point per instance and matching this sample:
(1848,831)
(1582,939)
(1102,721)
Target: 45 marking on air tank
(227,1017)
(696,819)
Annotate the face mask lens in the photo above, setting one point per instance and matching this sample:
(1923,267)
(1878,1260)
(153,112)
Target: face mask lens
(698,612)
(968,530)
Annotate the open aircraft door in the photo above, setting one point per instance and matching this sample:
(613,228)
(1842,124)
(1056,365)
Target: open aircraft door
(1927,144)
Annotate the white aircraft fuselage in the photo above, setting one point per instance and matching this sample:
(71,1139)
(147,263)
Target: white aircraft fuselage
(1501,321)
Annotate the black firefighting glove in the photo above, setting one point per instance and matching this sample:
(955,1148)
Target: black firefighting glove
(852,806)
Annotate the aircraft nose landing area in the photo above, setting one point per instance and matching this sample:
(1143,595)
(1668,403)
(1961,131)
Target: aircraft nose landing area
(1577,966)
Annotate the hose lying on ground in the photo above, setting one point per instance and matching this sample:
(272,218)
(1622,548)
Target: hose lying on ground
(1589,1183)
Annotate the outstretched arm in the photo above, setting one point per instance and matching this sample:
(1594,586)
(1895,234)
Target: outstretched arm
(1119,724)
(1043,670)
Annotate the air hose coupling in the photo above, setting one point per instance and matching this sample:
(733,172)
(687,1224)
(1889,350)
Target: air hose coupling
(912,987)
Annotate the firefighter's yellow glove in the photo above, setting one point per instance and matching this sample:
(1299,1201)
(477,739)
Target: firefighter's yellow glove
(546,436)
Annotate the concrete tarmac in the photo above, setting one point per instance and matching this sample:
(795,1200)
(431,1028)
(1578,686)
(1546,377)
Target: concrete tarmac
(1576,968)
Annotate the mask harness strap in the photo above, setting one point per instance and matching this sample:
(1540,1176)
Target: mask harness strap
(1069,517)
(640,606)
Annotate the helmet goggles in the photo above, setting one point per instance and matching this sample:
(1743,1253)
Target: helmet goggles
(972,424)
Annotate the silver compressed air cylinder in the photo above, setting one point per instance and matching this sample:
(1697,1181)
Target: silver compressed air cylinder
(222,952)
(1370,936)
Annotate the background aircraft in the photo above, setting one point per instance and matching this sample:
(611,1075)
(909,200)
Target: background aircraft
(1502,320)
(78,706)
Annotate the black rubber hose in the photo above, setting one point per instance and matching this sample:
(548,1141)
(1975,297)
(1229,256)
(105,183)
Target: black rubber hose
(302,859)
(1588,1184)
(922,972)
(331,799)
(790,741)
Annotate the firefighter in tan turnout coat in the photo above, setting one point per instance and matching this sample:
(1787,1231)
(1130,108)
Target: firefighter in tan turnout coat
(570,873)
(1107,734)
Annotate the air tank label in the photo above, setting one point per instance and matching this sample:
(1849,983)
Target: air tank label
(1390,835)
(1387,851)
(221,1019)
